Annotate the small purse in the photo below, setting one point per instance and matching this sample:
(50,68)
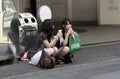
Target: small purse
(43,60)
(46,61)
(74,44)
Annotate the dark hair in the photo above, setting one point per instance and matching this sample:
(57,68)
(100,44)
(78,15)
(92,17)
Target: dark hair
(47,27)
(65,20)
(14,25)
(64,23)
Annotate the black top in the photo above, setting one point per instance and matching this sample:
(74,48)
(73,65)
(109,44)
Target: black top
(39,41)
(58,45)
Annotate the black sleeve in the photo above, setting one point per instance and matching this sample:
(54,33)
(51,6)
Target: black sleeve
(43,36)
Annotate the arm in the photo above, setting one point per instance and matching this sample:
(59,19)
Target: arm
(67,36)
(66,39)
(52,43)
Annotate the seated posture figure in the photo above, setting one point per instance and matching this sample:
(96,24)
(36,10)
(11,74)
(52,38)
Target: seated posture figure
(44,41)
(62,43)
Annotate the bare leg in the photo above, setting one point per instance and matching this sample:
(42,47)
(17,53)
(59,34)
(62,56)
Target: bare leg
(50,51)
(55,51)
(64,51)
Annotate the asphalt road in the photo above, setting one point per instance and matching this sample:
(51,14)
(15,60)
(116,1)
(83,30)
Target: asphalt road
(93,62)
(101,70)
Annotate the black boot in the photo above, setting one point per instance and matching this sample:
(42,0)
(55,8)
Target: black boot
(67,59)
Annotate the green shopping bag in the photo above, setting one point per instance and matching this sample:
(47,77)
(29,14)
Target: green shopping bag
(74,44)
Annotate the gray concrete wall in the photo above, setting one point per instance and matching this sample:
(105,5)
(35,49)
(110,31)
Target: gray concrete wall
(109,12)
(58,8)
(84,10)
(81,10)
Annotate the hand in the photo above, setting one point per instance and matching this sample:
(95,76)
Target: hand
(70,31)
(61,40)
(59,33)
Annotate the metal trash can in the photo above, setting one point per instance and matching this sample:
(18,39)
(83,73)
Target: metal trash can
(27,30)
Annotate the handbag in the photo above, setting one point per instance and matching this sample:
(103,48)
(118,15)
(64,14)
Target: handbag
(74,44)
(46,61)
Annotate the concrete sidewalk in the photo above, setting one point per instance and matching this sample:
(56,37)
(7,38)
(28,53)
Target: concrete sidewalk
(99,34)
(90,58)
(101,70)
(99,57)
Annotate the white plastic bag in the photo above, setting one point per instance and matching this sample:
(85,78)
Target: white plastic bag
(35,59)
(13,48)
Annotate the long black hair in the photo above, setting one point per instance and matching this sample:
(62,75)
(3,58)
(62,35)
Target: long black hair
(64,23)
(47,28)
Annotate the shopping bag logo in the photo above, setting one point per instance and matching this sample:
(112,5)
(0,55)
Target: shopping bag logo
(75,46)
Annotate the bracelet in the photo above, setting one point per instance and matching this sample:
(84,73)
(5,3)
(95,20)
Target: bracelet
(56,38)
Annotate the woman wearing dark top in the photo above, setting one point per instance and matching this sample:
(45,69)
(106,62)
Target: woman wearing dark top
(66,31)
(44,38)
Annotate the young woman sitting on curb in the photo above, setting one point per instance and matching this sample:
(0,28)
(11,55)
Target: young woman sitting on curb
(62,43)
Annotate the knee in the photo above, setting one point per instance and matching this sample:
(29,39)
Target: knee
(55,50)
(66,49)
(50,51)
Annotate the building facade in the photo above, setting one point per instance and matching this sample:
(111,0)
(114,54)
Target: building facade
(99,11)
